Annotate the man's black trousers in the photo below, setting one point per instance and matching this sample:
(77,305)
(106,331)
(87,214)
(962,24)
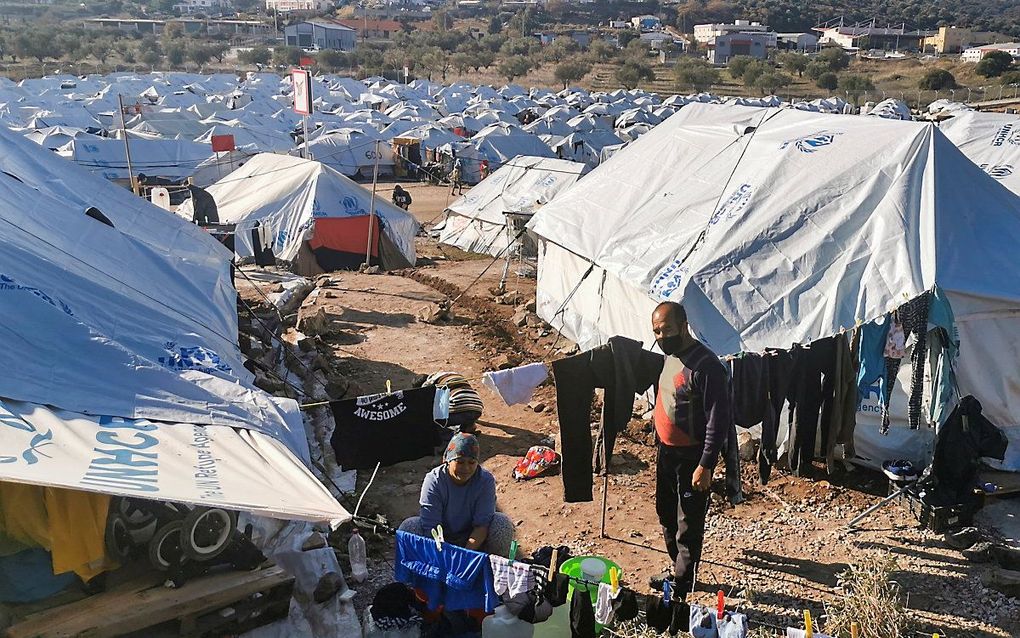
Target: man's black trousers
(681,511)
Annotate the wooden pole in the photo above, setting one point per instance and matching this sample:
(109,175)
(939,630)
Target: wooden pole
(127,146)
(371,212)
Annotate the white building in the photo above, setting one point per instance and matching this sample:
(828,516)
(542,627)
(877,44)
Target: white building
(285,6)
(707,33)
(201,6)
(797,41)
(646,23)
(976,54)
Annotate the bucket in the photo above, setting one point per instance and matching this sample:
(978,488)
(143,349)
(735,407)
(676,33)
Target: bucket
(593,569)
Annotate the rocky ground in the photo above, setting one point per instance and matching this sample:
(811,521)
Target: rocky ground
(776,554)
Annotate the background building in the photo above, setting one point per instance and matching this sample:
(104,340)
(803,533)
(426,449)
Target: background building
(646,23)
(797,41)
(320,33)
(866,37)
(707,33)
(286,6)
(202,6)
(957,39)
(724,47)
(976,54)
(368,29)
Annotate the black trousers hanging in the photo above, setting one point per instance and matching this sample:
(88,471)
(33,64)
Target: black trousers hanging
(681,511)
(814,382)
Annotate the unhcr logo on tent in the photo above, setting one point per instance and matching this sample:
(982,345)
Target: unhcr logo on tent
(33,438)
(1008,134)
(998,171)
(735,203)
(351,207)
(811,143)
(192,358)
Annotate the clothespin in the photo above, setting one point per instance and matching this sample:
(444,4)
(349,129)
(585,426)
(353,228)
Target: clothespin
(666,592)
(513,550)
(437,535)
(720,604)
(389,387)
(808,631)
(855,630)
(614,579)
(552,563)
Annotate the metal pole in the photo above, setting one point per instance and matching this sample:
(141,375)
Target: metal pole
(127,146)
(605,494)
(371,212)
(308,149)
(885,501)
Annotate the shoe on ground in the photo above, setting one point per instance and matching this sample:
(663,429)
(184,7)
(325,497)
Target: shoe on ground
(979,552)
(1006,557)
(656,581)
(963,538)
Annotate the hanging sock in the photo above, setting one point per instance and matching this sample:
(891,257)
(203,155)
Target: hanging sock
(892,368)
(516,385)
(582,615)
(604,604)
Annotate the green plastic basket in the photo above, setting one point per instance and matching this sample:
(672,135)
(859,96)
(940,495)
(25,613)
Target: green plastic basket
(572,568)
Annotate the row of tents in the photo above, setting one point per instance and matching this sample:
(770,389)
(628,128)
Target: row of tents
(869,225)
(173,119)
(778,226)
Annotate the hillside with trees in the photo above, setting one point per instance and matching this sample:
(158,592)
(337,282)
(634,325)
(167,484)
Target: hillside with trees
(800,15)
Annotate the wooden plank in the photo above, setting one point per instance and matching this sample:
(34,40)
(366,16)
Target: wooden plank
(116,614)
(1008,482)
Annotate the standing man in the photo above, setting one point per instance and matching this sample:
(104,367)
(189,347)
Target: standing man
(692,416)
(457,177)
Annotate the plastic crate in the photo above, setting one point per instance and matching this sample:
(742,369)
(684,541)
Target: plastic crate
(942,518)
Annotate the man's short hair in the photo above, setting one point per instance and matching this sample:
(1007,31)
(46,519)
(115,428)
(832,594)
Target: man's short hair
(674,310)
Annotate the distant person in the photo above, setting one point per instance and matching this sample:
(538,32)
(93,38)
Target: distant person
(484,169)
(457,178)
(401,198)
(460,495)
(203,205)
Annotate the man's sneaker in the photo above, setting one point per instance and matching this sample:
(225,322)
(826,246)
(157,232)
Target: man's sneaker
(962,538)
(656,581)
(979,552)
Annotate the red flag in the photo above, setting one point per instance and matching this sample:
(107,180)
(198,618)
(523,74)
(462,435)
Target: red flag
(307,61)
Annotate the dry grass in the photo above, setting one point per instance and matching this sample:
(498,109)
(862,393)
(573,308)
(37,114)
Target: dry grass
(870,598)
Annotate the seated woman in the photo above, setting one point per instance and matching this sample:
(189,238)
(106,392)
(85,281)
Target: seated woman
(460,495)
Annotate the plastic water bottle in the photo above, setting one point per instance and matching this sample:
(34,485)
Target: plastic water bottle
(359,557)
(503,624)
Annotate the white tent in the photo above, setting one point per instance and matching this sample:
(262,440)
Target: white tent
(172,159)
(351,152)
(254,140)
(777,226)
(124,386)
(990,140)
(499,143)
(303,200)
(478,221)
(585,148)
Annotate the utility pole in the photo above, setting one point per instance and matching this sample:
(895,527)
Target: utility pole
(127,146)
(371,212)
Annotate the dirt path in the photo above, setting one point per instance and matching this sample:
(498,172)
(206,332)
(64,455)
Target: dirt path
(776,554)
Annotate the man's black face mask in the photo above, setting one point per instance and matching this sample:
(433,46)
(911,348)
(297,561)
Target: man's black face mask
(670,345)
